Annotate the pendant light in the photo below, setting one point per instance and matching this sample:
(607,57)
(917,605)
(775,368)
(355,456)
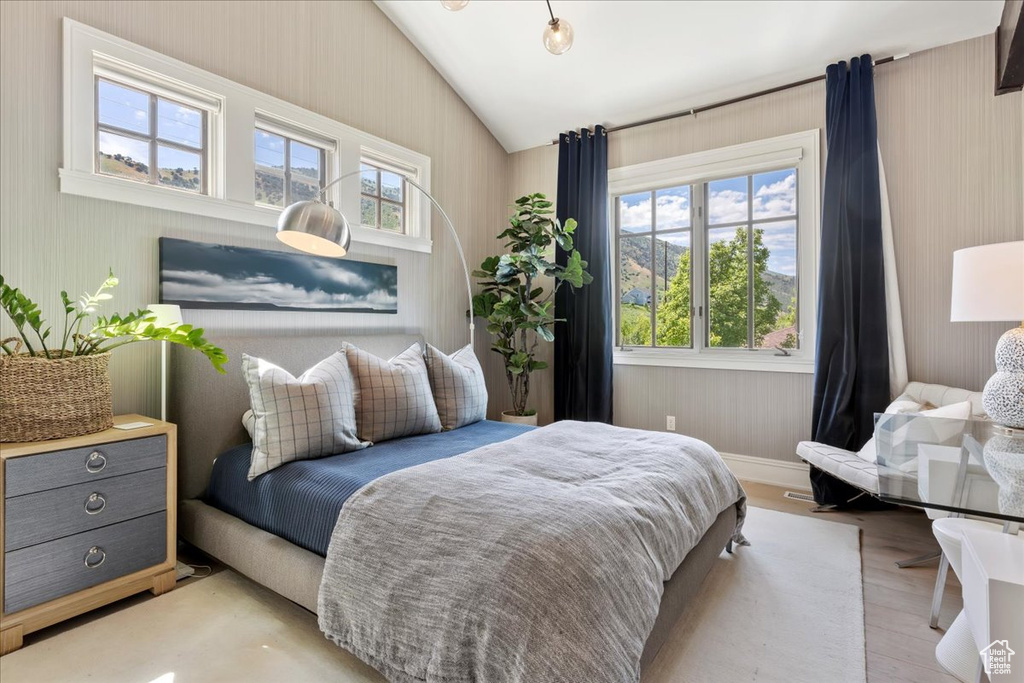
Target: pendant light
(454,5)
(557,34)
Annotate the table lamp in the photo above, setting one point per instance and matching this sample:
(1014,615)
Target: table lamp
(988,285)
(167,315)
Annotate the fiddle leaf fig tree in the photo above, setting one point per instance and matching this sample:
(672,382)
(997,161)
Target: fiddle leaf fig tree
(519,309)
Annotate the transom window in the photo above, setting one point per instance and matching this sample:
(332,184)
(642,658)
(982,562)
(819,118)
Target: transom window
(745,255)
(148,138)
(382,199)
(287,170)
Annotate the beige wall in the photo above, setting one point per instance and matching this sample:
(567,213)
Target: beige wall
(344,60)
(952,154)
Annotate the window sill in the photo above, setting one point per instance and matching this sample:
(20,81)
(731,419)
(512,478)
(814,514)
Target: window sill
(725,361)
(140,194)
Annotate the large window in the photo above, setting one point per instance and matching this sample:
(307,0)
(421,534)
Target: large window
(719,269)
(147,138)
(287,170)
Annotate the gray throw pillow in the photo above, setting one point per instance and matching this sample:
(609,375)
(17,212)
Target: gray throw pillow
(458,385)
(298,418)
(393,397)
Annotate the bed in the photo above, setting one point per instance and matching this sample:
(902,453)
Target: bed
(269,531)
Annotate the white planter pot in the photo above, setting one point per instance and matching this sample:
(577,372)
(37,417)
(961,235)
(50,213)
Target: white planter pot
(519,419)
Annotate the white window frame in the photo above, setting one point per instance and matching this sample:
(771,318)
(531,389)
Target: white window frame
(268,124)
(797,150)
(232,112)
(152,136)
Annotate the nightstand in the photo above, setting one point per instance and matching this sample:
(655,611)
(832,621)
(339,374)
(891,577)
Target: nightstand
(85,521)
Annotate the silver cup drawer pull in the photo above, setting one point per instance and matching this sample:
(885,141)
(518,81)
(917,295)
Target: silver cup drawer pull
(95,462)
(95,557)
(95,504)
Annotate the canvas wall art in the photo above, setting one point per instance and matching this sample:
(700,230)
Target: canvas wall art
(202,275)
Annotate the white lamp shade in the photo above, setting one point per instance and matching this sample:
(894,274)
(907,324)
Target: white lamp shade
(988,283)
(167,315)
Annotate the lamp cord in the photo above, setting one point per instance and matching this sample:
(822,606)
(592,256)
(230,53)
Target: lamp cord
(553,20)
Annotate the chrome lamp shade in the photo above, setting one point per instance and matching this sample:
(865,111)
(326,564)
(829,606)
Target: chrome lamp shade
(315,228)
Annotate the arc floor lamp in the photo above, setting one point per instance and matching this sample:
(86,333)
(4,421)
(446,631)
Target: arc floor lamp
(318,228)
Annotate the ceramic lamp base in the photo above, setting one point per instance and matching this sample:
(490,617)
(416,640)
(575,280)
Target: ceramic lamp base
(1003,397)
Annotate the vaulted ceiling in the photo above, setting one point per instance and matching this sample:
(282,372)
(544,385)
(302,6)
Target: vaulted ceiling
(637,59)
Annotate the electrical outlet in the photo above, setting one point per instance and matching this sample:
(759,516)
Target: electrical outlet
(670,423)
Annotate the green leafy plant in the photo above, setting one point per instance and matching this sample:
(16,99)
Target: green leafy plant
(105,334)
(520,313)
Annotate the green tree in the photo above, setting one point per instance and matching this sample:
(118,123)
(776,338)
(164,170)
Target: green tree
(635,325)
(728,286)
(787,318)
(674,310)
(728,279)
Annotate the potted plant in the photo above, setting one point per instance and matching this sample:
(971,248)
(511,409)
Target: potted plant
(60,387)
(519,311)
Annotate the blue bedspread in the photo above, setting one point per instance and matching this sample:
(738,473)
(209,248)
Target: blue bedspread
(300,501)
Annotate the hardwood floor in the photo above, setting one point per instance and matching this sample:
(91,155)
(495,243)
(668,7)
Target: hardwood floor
(900,645)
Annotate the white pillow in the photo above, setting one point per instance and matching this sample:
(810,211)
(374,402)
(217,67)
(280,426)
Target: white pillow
(953,411)
(298,418)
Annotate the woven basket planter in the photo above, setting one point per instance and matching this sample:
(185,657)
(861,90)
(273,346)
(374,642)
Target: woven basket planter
(43,398)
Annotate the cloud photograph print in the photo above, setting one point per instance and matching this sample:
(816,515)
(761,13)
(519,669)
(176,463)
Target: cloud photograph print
(201,275)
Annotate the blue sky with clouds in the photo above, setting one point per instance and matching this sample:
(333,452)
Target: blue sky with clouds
(128,109)
(729,201)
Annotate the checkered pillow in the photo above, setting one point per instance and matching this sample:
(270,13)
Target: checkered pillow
(458,385)
(392,397)
(299,418)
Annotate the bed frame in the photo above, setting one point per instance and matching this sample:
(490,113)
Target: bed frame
(207,407)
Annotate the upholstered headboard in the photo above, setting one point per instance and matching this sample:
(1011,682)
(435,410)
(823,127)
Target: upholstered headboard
(208,407)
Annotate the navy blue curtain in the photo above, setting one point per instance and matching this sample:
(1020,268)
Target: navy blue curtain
(851,376)
(583,343)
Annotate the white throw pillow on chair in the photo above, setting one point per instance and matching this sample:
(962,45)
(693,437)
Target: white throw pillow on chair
(902,406)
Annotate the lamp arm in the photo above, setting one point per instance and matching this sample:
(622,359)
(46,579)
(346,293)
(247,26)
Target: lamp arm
(451,231)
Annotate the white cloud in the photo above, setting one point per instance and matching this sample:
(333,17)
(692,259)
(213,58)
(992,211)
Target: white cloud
(776,199)
(635,217)
(673,212)
(325,271)
(727,206)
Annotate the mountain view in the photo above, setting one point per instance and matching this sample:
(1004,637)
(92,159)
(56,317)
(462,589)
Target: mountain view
(126,167)
(774,294)
(635,269)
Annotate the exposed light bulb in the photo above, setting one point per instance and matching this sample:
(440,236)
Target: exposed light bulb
(454,5)
(558,36)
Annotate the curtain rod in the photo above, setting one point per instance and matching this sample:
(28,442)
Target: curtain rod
(742,98)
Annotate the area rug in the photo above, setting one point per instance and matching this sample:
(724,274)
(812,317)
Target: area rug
(788,608)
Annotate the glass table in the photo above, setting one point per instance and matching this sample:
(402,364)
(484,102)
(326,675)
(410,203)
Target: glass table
(963,467)
(952,468)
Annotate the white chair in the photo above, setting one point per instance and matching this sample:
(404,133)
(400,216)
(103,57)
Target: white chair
(863,474)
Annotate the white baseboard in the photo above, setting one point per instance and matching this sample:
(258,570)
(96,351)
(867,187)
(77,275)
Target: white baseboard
(790,475)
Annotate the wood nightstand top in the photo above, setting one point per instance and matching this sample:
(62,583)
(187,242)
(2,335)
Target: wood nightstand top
(14,450)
